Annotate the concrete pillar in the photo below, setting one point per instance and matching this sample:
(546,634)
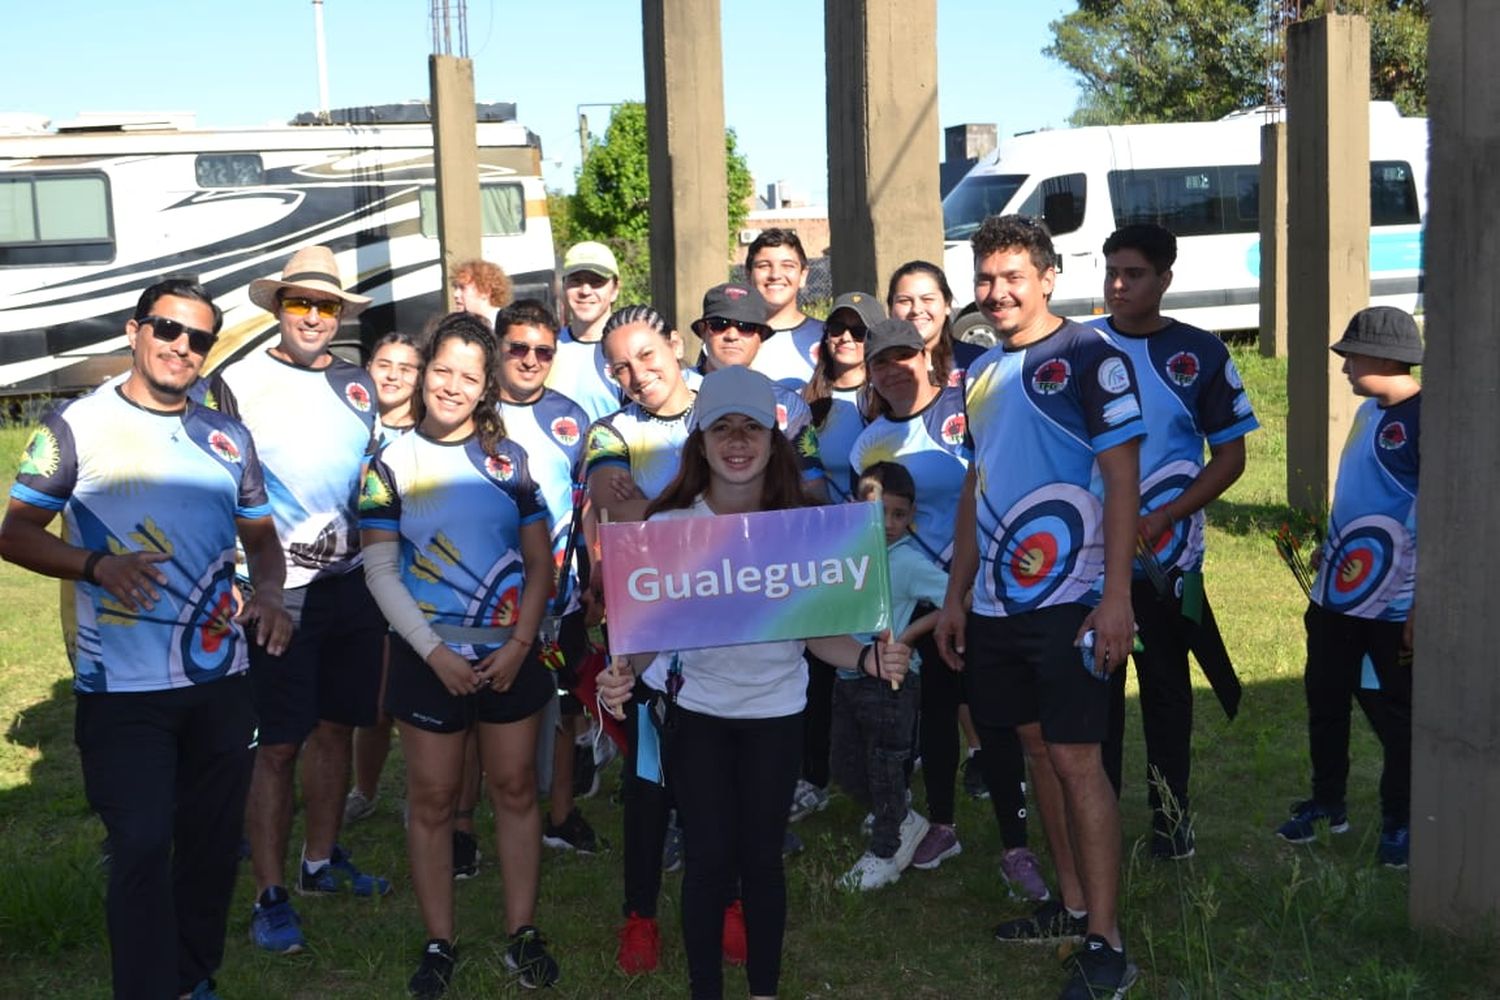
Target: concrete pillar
(455,161)
(1273,240)
(883,204)
(685,132)
(1455,870)
(1328,239)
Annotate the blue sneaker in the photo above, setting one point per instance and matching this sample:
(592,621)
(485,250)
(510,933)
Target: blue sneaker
(1302,827)
(275,926)
(204,991)
(339,876)
(1395,845)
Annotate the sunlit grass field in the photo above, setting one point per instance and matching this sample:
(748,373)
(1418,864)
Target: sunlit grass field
(1247,917)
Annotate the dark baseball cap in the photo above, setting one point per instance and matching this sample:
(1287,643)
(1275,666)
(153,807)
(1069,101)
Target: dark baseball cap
(1382,332)
(864,305)
(891,333)
(738,302)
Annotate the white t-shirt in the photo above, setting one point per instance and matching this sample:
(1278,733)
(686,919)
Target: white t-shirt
(763,680)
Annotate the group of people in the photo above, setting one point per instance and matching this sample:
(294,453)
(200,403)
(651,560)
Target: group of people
(417,543)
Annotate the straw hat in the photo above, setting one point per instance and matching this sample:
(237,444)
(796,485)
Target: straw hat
(312,269)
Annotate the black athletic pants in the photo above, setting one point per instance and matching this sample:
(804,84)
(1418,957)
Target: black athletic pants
(817,725)
(645,804)
(734,779)
(167,772)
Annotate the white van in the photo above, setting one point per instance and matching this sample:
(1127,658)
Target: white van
(94,211)
(1201,181)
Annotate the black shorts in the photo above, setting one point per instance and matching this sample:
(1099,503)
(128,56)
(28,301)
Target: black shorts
(1024,668)
(331,669)
(414,694)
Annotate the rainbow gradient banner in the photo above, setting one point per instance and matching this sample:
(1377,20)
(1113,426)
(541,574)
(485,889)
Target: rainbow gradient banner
(691,582)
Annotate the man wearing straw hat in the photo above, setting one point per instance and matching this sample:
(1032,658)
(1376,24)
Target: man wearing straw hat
(312,416)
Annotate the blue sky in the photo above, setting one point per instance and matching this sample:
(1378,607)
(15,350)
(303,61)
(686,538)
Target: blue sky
(251,63)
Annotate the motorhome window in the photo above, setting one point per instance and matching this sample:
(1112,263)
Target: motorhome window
(1059,202)
(228,170)
(974,199)
(502,210)
(1393,194)
(1190,201)
(55,219)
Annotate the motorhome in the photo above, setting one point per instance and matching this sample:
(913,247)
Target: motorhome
(1201,181)
(93,211)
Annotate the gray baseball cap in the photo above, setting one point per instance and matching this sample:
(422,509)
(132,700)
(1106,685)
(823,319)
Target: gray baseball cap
(1382,332)
(735,389)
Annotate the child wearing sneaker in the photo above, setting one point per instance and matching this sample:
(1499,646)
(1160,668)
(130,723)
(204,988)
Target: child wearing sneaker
(872,722)
(1360,617)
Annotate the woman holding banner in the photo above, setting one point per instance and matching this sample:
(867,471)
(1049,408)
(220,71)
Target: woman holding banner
(457,555)
(733,714)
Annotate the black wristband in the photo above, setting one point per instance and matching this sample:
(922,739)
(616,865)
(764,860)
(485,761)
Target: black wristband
(864,656)
(90,564)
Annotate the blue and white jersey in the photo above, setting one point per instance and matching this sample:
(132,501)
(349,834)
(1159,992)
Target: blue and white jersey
(789,357)
(934,446)
(580,372)
(459,513)
(914,578)
(313,428)
(840,429)
(1038,416)
(385,433)
(551,431)
(1191,395)
(128,479)
(1370,556)
(647,446)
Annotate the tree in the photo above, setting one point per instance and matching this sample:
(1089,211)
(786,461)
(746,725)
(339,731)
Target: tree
(1196,60)
(613,201)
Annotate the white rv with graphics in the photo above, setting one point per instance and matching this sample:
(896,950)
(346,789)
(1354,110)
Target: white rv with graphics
(93,211)
(1201,181)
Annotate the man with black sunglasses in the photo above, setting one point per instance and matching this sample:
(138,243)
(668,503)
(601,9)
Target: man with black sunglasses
(313,416)
(154,489)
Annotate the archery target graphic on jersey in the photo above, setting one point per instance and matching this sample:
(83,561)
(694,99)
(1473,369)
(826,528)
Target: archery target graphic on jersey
(498,601)
(1159,489)
(1047,548)
(1363,572)
(205,639)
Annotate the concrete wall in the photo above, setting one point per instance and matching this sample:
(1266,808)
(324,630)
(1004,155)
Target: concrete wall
(455,162)
(883,203)
(1273,240)
(1328,239)
(1455,869)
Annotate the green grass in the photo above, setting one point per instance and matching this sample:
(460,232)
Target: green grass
(1249,917)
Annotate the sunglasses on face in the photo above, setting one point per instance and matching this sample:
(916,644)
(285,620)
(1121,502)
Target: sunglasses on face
(299,307)
(836,329)
(519,351)
(168,330)
(718,324)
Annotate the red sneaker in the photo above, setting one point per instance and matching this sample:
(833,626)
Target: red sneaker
(640,945)
(736,952)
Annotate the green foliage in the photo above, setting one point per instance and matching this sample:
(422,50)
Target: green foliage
(613,200)
(1196,60)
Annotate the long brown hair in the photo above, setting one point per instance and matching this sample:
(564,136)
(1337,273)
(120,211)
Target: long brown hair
(942,351)
(818,393)
(781,483)
(469,329)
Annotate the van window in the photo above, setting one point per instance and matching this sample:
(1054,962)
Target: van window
(1190,201)
(225,170)
(502,210)
(976,198)
(1393,194)
(1059,202)
(55,218)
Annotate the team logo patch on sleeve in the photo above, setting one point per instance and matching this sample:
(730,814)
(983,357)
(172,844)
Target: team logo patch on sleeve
(500,467)
(955,378)
(223,446)
(1392,435)
(41,456)
(954,428)
(1051,377)
(358,397)
(1114,376)
(781,416)
(1182,368)
(565,430)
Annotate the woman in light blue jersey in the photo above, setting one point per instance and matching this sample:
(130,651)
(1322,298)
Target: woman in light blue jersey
(458,557)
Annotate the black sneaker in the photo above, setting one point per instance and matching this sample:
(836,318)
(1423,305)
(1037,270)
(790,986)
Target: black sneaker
(527,957)
(1172,837)
(572,834)
(1099,972)
(1048,924)
(436,971)
(465,855)
(974,784)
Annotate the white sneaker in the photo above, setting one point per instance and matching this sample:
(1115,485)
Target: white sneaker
(913,828)
(870,872)
(357,807)
(807,799)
